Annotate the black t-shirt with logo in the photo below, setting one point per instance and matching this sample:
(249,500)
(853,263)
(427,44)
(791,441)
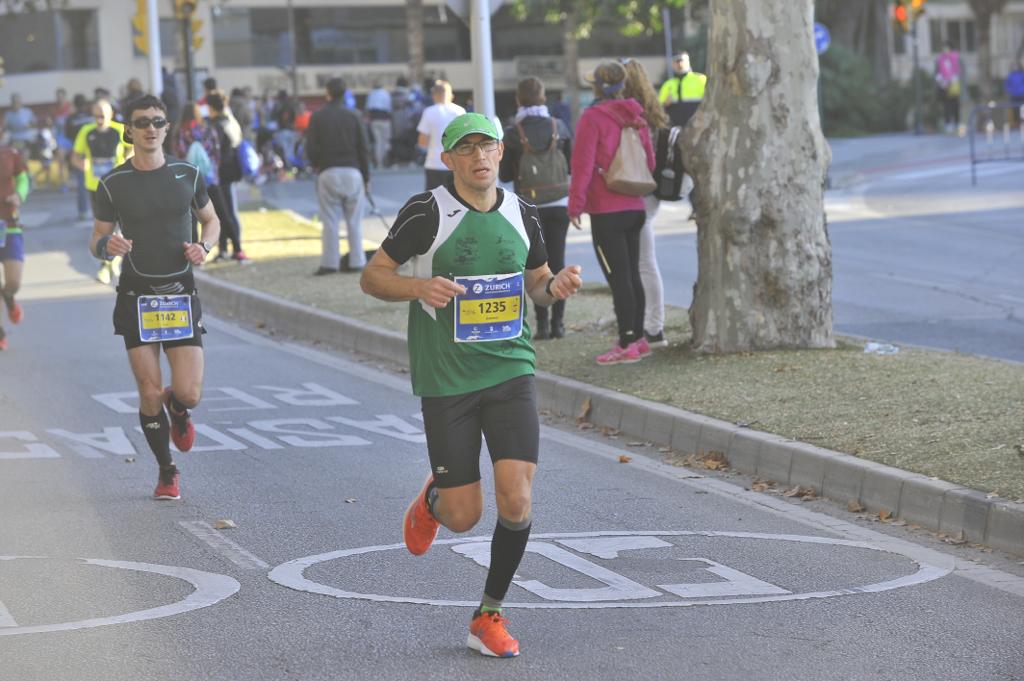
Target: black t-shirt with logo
(155,210)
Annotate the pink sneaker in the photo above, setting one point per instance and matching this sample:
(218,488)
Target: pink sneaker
(642,347)
(617,355)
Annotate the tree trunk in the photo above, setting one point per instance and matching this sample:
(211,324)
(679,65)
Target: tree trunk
(758,158)
(414,32)
(572,62)
(984,22)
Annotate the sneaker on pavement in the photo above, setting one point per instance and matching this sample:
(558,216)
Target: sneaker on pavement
(488,636)
(183,433)
(656,340)
(627,355)
(168,485)
(15,312)
(240,256)
(643,348)
(419,527)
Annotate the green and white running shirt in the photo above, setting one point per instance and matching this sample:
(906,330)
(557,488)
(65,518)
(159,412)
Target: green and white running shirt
(444,236)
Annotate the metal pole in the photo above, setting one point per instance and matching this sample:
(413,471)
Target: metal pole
(190,73)
(667,28)
(292,49)
(156,75)
(917,80)
(480,35)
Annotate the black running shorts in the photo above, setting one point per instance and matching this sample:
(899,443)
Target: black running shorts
(126,323)
(505,414)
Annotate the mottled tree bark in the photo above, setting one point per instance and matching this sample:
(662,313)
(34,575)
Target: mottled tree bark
(758,158)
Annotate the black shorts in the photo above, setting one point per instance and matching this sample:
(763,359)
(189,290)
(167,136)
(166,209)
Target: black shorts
(505,414)
(126,323)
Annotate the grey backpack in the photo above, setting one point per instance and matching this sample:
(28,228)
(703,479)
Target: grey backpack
(543,175)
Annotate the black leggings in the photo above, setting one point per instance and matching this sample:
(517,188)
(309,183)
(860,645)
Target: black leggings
(554,222)
(224,206)
(617,245)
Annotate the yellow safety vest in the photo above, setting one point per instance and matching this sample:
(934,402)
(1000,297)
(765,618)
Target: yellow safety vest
(689,88)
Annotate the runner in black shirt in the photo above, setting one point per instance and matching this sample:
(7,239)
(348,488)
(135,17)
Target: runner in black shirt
(155,200)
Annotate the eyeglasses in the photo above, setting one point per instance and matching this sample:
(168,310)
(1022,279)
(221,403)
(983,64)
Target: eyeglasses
(468,148)
(143,123)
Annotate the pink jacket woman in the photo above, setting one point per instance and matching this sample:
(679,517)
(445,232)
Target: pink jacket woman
(597,140)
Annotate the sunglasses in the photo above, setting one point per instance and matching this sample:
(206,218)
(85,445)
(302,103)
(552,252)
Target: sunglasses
(143,123)
(468,148)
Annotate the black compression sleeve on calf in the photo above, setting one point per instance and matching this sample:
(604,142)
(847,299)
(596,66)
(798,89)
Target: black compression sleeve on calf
(158,434)
(507,548)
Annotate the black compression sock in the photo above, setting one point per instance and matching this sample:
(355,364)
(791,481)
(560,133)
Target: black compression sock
(507,548)
(158,434)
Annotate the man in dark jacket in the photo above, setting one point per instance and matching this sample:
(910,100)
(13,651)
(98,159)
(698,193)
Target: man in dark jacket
(338,151)
(535,122)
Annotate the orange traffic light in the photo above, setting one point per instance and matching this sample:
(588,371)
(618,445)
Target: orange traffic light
(917,7)
(900,15)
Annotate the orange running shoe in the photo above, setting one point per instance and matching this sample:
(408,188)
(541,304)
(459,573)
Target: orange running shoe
(184,436)
(15,312)
(419,527)
(488,636)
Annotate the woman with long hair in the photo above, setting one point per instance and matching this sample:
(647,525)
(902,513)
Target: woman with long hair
(638,86)
(615,219)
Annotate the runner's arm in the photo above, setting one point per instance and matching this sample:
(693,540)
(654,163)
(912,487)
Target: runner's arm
(381,279)
(544,287)
(210,222)
(108,242)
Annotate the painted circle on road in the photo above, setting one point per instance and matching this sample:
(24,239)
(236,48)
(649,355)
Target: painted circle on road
(210,588)
(736,589)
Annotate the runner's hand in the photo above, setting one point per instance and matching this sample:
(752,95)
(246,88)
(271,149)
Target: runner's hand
(438,292)
(194,253)
(118,245)
(576,222)
(567,282)
(14,200)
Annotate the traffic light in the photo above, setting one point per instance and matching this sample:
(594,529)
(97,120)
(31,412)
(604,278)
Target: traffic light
(140,27)
(186,11)
(184,8)
(197,39)
(901,15)
(917,8)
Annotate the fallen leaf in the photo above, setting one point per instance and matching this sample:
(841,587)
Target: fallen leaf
(958,540)
(664,450)
(129,459)
(884,515)
(586,425)
(992,495)
(608,431)
(792,492)
(636,444)
(350,500)
(624,459)
(584,411)
(224,524)
(854,506)
(760,485)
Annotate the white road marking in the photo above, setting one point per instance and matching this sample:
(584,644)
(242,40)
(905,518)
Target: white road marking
(291,574)
(210,588)
(33,450)
(252,437)
(5,617)
(216,540)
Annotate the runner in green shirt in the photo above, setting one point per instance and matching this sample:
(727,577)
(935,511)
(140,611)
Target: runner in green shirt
(477,252)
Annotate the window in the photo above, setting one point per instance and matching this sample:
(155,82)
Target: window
(959,34)
(350,35)
(251,37)
(50,41)
(511,38)
(899,41)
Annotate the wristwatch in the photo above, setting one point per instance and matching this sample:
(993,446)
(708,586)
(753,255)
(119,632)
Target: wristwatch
(547,287)
(206,246)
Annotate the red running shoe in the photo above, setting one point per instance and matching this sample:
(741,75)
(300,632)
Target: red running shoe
(488,636)
(184,436)
(168,485)
(419,527)
(3,342)
(15,312)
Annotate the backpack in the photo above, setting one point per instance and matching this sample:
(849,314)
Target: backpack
(197,156)
(248,160)
(543,175)
(668,165)
(628,173)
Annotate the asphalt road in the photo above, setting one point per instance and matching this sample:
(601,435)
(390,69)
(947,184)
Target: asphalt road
(635,570)
(919,255)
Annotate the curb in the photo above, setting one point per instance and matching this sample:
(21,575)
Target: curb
(940,506)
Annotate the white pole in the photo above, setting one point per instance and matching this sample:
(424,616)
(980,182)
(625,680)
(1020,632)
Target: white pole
(156,75)
(480,36)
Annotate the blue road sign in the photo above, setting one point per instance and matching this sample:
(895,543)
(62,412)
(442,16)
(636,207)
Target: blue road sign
(822,38)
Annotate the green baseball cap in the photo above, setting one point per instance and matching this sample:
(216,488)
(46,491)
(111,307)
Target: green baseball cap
(468,124)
